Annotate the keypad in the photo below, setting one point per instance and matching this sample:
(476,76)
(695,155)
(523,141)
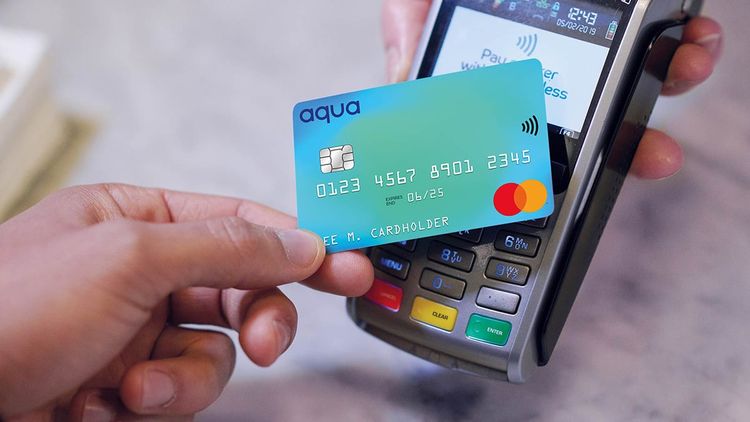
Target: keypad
(517,243)
(451,256)
(508,272)
(442,284)
(391,264)
(445,287)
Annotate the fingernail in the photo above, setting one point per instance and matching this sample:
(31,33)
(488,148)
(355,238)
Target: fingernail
(676,86)
(158,390)
(712,43)
(395,67)
(283,335)
(97,410)
(302,248)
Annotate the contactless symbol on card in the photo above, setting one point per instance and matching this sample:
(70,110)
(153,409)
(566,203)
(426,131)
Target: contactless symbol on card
(433,156)
(336,159)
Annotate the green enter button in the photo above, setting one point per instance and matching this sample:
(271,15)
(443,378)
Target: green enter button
(488,330)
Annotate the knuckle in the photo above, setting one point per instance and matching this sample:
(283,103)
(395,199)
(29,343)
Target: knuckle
(95,202)
(75,195)
(130,241)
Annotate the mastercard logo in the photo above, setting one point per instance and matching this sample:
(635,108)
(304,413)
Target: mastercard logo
(512,198)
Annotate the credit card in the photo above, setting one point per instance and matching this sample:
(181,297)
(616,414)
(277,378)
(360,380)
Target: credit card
(423,158)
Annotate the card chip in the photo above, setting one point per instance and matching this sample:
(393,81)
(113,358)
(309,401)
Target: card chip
(335,159)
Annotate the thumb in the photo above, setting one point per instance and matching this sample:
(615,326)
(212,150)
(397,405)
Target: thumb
(402,25)
(220,253)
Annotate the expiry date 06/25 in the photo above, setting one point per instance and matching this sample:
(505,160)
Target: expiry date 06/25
(435,193)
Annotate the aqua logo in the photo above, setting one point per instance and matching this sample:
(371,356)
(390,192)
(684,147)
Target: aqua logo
(328,112)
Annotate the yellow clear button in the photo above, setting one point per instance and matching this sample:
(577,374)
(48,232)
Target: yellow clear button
(433,313)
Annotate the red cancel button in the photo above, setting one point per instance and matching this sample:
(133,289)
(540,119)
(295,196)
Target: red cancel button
(385,295)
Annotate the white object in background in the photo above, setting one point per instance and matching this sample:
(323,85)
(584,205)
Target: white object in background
(31,128)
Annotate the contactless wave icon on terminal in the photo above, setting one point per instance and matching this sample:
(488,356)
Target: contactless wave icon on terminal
(527,44)
(531,126)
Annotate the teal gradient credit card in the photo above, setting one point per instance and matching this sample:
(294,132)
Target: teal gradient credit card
(424,158)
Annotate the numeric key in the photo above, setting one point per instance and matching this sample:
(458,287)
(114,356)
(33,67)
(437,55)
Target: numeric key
(451,256)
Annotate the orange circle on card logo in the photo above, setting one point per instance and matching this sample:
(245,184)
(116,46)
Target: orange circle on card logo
(512,198)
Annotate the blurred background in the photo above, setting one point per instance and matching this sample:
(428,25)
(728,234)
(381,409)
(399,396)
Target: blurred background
(197,95)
